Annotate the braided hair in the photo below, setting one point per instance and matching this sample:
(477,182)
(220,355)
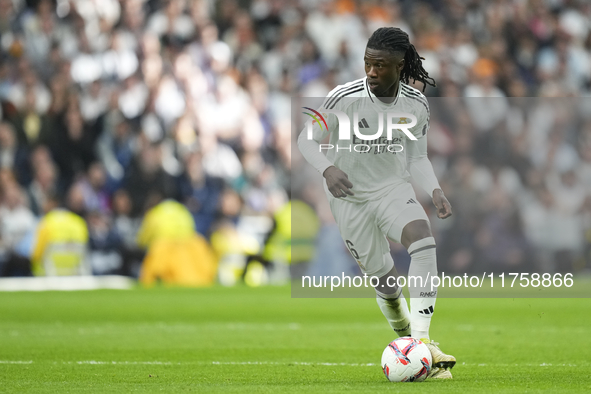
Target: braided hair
(393,39)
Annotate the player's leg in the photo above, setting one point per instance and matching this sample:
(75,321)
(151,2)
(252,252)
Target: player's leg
(404,220)
(370,249)
(392,302)
(420,244)
(417,238)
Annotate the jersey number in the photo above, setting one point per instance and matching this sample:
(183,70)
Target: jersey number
(353,251)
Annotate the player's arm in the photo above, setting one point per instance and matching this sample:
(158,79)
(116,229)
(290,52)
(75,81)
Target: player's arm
(422,173)
(337,180)
(310,149)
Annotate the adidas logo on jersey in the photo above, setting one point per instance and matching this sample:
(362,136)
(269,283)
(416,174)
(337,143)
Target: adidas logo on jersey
(427,311)
(363,124)
(411,201)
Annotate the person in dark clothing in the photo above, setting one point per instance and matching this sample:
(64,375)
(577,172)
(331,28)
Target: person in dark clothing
(74,148)
(200,193)
(146,180)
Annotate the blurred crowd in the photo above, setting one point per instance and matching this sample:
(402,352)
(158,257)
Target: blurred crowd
(518,173)
(109,107)
(515,170)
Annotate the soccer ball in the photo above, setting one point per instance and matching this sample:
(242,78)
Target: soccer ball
(406,360)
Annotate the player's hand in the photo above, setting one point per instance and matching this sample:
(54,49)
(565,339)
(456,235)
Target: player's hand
(442,204)
(338,182)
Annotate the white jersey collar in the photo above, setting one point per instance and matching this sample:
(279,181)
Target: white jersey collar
(376,101)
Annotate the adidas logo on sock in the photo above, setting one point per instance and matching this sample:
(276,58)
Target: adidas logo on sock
(427,311)
(363,124)
(411,201)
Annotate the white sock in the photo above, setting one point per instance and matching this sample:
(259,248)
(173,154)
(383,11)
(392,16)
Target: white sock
(423,264)
(395,309)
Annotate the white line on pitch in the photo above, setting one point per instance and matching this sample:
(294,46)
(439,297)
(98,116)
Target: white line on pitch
(524,365)
(95,362)
(372,364)
(289,363)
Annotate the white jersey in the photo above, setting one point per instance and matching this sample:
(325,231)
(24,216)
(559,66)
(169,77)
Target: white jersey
(374,167)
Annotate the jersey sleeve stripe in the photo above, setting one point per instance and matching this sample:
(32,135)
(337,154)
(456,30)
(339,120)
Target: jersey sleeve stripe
(329,101)
(347,94)
(420,101)
(408,91)
(411,89)
(340,88)
(341,91)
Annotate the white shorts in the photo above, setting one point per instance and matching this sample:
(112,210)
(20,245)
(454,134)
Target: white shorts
(365,226)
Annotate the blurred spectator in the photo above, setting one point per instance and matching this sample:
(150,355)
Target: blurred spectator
(147,182)
(127,227)
(74,147)
(30,94)
(325,22)
(104,245)
(242,39)
(93,102)
(261,193)
(219,160)
(33,127)
(14,157)
(61,242)
(96,198)
(17,224)
(502,244)
(171,22)
(116,146)
(177,255)
(133,98)
(44,181)
(201,194)
(292,239)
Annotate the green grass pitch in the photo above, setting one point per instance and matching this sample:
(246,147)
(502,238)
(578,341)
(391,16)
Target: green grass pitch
(261,340)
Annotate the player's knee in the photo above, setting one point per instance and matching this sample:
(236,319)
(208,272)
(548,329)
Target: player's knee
(387,285)
(415,231)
